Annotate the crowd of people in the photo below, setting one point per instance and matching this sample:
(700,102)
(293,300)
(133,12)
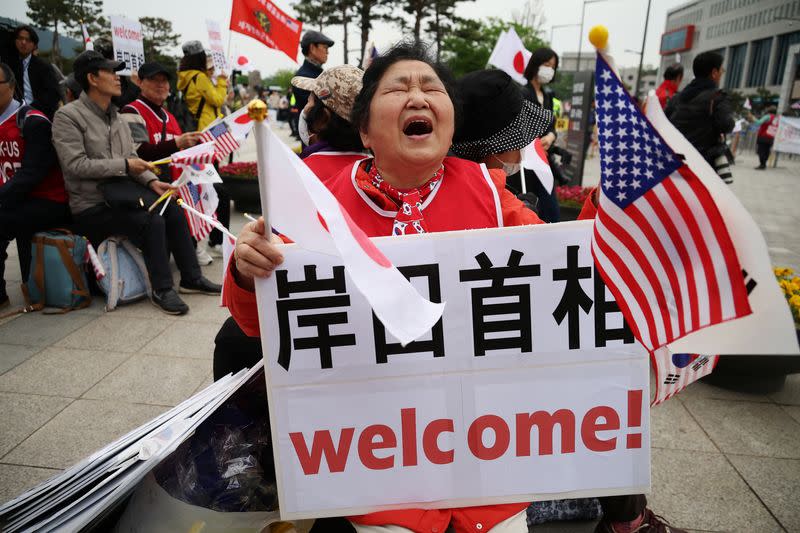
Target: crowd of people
(403,146)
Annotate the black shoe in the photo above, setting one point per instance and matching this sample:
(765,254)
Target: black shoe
(199,286)
(761,167)
(168,301)
(4,301)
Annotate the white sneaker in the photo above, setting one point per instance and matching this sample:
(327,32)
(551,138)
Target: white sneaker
(203,257)
(215,250)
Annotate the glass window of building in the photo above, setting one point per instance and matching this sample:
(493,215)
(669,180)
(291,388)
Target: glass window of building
(733,78)
(759,62)
(784,42)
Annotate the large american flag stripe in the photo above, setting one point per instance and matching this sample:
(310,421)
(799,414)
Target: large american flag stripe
(658,240)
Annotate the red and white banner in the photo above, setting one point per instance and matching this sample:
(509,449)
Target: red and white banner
(265,22)
(510,55)
(304,210)
(529,388)
(534,157)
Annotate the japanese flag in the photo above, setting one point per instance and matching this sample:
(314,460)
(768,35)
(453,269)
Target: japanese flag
(241,63)
(304,210)
(510,55)
(534,157)
(747,104)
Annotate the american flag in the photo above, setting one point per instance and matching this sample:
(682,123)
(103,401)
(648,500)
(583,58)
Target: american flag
(674,372)
(659,240)
(198,197)
(224,141)
(199,154)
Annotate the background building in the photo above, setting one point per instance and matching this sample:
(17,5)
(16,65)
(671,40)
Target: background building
(753,36)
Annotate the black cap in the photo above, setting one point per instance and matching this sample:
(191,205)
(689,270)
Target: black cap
(90,61)
(497,118)
(315,37)
(150,69)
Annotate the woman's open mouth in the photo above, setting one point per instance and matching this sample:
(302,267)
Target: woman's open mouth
(417,127)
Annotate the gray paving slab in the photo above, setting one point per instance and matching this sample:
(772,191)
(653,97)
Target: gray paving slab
(116,333)
(22,414)
(184,339)
(80,429)
(702,491)
(58,371)
(702,390)
(671,426)
(777,483)
(11,355)
(15,479)
(204,308)
(153,380)
(793,411)
(748,428)
(37,329)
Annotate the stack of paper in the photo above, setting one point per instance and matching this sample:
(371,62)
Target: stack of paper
(82,495)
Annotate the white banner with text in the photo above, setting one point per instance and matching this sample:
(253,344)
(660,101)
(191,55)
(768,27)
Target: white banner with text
(530,387)
(128,41)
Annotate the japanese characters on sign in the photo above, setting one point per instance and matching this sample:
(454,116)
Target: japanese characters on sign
(126,36)
(530,337)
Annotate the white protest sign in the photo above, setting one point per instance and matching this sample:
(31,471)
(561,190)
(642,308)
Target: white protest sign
(787,139)
(126,36)
(530,338)
(215,43)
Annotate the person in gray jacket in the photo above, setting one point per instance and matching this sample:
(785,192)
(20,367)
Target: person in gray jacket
(110,187)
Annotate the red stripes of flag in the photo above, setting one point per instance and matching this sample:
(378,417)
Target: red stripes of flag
(198,227)
(669,261)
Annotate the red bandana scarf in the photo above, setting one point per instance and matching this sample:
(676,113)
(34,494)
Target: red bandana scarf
(408,203)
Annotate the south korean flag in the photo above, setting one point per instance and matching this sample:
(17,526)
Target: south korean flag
(674,372)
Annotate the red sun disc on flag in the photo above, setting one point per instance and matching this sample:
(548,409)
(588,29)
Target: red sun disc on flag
(243,119)
(540,150)
(519,62)
(242,60)
(369,248)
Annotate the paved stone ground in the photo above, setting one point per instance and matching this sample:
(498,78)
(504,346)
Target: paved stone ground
(722,460)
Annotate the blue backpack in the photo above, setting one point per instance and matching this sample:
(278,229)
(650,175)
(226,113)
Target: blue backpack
(126,279)
(57,279)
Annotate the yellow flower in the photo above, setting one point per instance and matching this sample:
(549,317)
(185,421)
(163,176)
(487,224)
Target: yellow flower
(794,301)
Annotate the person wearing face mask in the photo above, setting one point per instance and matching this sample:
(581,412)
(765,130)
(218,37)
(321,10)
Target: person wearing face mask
(540,71)
(330,139)
(498,123)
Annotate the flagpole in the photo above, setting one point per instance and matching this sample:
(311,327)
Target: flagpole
(257,111)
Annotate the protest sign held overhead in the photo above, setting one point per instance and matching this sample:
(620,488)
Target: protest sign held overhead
(265,22)
(787,138)
(448,420)
(126,36)
(215,44)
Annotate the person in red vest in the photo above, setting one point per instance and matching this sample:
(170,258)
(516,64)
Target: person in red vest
(767,128)
(406,116)
(673,76)
(154,129)
(330,139)
(32,193)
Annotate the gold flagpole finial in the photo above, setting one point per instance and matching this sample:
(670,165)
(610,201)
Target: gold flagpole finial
(598,36)
(257,110)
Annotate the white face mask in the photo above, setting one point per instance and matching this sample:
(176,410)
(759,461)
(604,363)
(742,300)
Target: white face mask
(302,129)
(509,168)
(545,74)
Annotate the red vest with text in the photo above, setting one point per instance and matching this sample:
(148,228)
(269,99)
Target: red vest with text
(466,199)
(12,149)
(155,126)
(769,128)
(326,165)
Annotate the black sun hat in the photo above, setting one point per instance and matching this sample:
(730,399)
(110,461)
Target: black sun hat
(497,118)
